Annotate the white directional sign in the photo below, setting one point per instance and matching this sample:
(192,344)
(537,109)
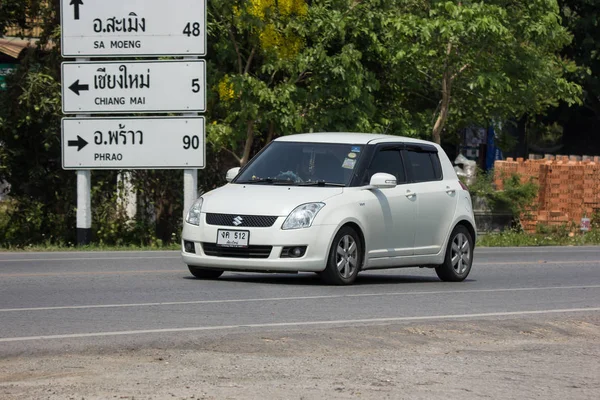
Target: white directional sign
(134,87)
(133,28)
(133,143)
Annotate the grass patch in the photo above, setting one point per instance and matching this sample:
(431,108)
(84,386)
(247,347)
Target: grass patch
(513,238)
(91,247)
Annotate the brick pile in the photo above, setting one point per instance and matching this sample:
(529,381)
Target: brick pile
(569,187)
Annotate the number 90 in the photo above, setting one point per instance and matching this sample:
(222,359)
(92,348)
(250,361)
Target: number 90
(191,142)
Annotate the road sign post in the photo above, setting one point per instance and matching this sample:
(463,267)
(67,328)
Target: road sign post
(118,28)
(133,143)
(115,87)
(84,203)
(190,179)
(84,207)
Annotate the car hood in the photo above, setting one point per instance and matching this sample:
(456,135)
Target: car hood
(259,199)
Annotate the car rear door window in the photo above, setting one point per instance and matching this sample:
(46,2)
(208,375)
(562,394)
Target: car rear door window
(437,166)
(425,166)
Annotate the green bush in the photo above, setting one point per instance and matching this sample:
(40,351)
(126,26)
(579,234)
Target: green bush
(26,222)
(517,197)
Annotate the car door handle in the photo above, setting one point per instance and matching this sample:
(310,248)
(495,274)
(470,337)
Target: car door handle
(410,194)
(450,190)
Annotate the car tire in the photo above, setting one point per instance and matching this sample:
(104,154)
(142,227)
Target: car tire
(459,256)
(345,258)
(203,273)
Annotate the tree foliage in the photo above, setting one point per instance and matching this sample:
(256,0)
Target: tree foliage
(582,18)
(414,67)
(275,67)
(284,67)
(579,123)
(478,61)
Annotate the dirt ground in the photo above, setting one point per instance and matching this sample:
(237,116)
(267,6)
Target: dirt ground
(557,358)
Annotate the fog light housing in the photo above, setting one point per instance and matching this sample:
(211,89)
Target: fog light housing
(189,247)
(293,252)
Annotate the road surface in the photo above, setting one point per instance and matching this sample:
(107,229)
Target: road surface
(101,304)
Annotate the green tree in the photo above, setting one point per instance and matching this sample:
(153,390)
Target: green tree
(411,66)
(478,61)
(281,67)
(582,18)
(44,195)
(13,13)
(30,115)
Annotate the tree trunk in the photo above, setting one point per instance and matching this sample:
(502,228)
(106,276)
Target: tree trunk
(249,143)
(447,78)
(271,132)
(442,118)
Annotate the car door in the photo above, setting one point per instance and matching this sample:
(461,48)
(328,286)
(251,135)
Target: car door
(392,212)
(436,198)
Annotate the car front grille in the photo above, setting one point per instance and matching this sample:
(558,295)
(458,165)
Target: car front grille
(241,221)
(211,249)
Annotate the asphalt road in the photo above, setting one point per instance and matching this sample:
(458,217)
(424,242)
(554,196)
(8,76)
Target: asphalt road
(58,300)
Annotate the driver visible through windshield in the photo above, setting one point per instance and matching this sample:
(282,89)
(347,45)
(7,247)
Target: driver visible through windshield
(303,164)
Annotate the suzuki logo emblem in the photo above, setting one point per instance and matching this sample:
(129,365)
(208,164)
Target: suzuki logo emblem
(238,220)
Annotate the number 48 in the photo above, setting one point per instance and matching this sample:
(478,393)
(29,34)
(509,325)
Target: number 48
(192,29)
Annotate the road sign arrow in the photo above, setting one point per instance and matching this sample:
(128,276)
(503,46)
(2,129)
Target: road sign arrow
(80,143)
(76,87)
(76,3)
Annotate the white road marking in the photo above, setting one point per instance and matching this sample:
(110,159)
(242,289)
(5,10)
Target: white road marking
(297,324)
(178,257)
(340,296)
(539,249)
(539,263)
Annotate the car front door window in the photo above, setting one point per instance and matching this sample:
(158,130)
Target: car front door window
(388,161)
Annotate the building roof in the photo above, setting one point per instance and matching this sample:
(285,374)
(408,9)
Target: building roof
(13,46)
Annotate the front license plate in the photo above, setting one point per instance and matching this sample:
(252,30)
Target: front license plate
(233,238)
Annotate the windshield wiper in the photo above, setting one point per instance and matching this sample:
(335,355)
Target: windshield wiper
(271,181)
(321,183)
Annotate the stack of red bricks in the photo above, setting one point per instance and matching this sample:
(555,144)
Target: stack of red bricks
(569,187)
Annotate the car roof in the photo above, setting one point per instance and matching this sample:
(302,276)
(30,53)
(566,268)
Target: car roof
(348,138)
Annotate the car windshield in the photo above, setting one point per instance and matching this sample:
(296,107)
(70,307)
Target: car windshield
(303,164)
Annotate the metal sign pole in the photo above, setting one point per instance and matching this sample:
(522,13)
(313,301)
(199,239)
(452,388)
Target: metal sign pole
(190,176)
(84,207)
(84,200)
(141,29)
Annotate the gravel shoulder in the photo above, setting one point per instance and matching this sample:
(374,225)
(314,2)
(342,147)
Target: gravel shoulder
(526,358)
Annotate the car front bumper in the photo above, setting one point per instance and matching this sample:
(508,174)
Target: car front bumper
(316,239)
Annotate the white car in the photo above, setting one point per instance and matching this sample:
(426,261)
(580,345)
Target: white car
(335,204)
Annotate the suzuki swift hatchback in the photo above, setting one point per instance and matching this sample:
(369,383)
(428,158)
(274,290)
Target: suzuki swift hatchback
(335,204)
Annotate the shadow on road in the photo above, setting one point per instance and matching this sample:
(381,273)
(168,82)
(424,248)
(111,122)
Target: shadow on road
(311,279)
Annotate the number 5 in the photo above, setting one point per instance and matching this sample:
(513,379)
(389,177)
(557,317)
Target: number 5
(196,85)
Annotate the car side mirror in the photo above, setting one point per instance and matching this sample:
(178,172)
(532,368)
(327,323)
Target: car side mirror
(382,180)
(232,173)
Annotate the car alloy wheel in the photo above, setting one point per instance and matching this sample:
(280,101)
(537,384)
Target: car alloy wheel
(461,253)
(345,258)
(459,256)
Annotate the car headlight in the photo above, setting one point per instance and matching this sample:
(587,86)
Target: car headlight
(302,216)
(194,214)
